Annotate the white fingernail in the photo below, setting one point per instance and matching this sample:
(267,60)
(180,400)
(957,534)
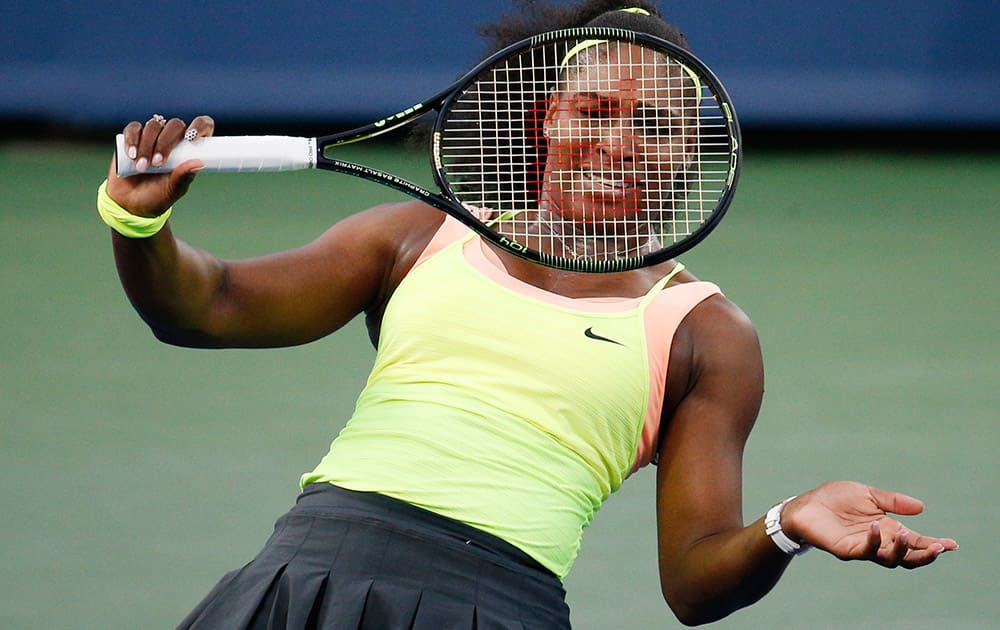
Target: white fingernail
(157,159)
(142,165)
(132,152)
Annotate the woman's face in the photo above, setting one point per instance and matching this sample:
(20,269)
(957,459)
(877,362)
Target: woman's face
(620,130)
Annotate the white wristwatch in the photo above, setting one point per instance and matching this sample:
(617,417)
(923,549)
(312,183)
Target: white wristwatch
(772,526)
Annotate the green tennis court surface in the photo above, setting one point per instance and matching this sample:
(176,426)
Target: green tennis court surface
(133,475)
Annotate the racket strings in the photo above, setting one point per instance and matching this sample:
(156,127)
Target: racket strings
(609,153)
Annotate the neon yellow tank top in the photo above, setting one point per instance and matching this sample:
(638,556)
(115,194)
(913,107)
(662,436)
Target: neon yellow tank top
(506,407)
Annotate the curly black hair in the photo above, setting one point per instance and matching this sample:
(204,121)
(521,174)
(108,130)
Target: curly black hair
(531,17)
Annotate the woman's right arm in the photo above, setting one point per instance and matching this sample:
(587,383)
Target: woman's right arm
(189,297)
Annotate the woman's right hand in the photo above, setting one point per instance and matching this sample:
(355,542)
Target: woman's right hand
(148,145)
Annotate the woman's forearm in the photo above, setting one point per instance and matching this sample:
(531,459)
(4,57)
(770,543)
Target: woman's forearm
(721,574)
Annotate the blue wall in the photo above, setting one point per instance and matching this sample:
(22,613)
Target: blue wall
(784,61)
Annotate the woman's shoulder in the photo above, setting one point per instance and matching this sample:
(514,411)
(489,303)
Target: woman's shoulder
(401,229)
(715,310)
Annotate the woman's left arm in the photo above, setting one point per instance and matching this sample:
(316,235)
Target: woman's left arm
(710,563)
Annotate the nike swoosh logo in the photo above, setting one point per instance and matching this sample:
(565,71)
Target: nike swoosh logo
(592,335)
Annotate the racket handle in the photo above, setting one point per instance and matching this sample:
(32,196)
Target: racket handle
(231,154)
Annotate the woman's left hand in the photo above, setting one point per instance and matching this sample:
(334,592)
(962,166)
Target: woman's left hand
(850,520)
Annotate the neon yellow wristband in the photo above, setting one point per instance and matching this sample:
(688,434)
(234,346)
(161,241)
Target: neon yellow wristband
(124,222)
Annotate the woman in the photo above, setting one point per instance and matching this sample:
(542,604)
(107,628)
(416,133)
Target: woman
(484,440)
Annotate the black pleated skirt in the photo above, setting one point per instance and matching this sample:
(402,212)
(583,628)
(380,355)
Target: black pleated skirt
(341,559)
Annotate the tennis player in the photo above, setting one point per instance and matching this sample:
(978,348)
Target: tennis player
(506,403)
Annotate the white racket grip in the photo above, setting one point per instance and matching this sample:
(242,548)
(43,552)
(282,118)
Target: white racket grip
(231,154)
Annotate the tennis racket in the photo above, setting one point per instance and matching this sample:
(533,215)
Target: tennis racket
(591,149)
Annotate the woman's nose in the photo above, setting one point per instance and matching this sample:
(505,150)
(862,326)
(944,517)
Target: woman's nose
(618,137)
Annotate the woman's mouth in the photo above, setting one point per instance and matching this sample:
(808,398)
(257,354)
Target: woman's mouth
(611,182)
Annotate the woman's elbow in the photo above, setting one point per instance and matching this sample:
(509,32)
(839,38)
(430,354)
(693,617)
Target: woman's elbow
(184,338)
(690,616)
(691,612)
